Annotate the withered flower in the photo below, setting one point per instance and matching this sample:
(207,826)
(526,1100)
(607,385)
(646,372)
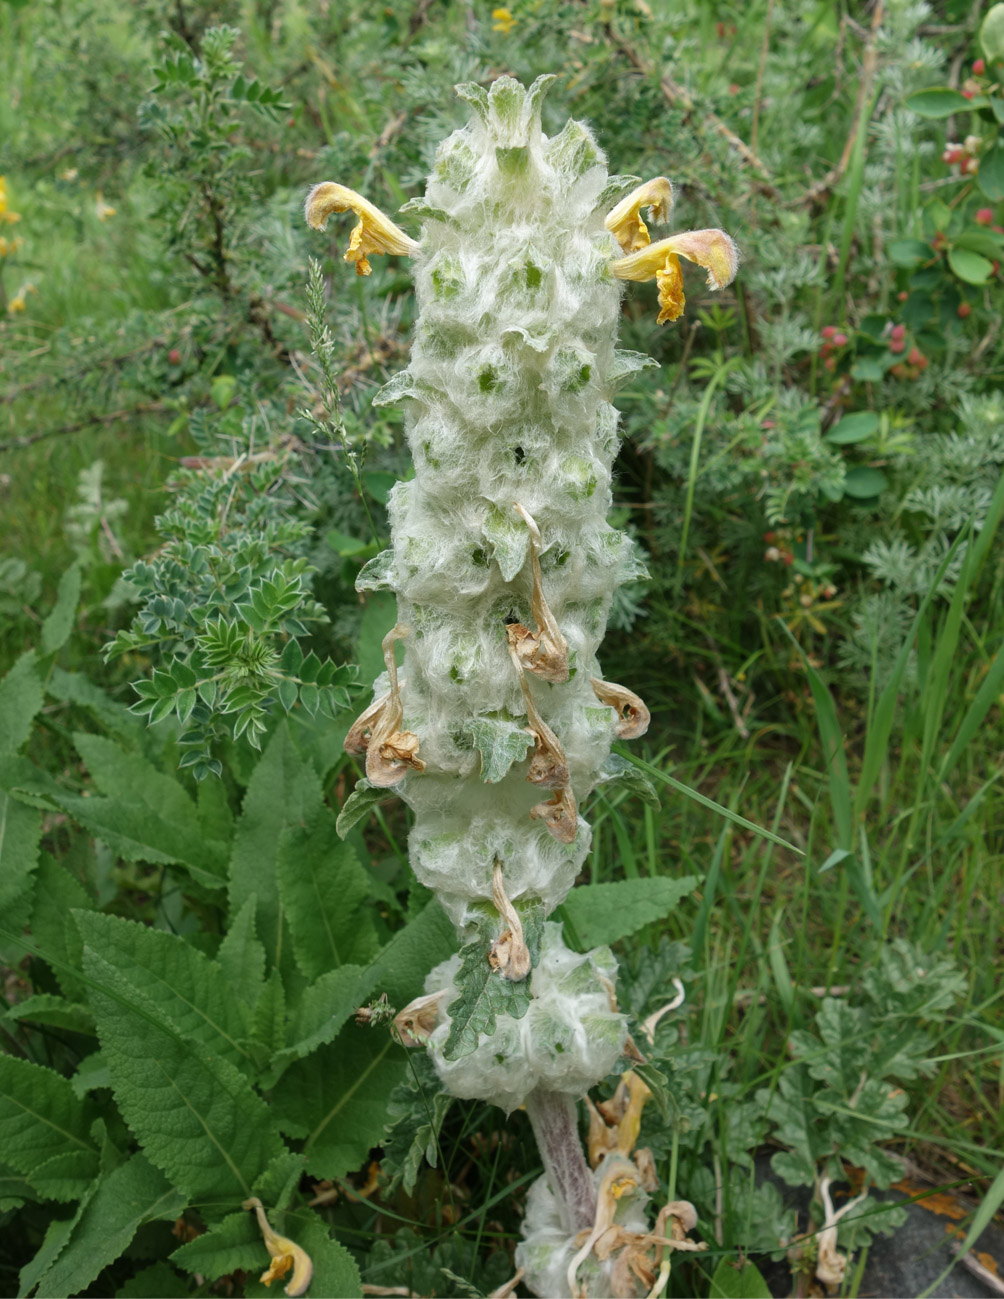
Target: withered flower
(509,953)
(633,717)
(545,651)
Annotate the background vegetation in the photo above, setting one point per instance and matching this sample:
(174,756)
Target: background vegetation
(192,477)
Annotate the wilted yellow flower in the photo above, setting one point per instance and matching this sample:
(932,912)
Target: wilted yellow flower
(285,1254)
(625,222)
(712,249)
(103,210)
(375,232)
(19,301)
(504,21)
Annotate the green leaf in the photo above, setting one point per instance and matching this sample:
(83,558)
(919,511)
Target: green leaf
(938,101)
(336,1275)
(56,1012)
(322,1011)
(325,893)
(131,1195)
(990,176)
(738,1279)
(908,252)
(74,688)
(281,788)
(41,1119)
(20,699)
(500,743)
(186,988)
(863,482)
(509,539)
(338,1096)
(57,893)
(631,778)
(987,242)
(194,1114)
(147,815)
(482,992)
(853,428)
(58,625)
(242,957)
(970,267)
(625,366)
(158,1279)
(233,1244)
(20,834)
(358,805)
(601,914)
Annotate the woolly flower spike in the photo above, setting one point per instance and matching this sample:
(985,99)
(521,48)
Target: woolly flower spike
(712,249)
(375,232)
(285,1254)
(625,223)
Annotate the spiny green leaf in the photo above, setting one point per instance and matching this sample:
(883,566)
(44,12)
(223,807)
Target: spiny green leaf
(602,913)
(483,993)
(500,742)
(41,1119)
(129,1196)
(194,1114)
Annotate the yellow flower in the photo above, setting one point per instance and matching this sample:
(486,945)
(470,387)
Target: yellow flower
(102,208)
(712,249)
(19,301)
(69,175)
(504,21)
(285,1254)
(625,222)
(8,247)
(375,232)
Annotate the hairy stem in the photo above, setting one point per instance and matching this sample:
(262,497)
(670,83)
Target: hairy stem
(556,1128)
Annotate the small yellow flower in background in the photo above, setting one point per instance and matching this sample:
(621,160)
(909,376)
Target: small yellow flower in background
(712,249)
(19,301)
(504,21)
(8,247)
(101,208)
(625,222)
(375,232)
(285,1254)
(69,175)
(5,213)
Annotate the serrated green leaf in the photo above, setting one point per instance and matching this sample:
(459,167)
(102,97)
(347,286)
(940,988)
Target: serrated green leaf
(325,892)
(56,1236)
(56,1012)
(603,913)
(194,1114)
(358,805)
(159,1279)
(500,743)
(20,834)
(338,1096)
(230,1245)
(58,625)
(509,539)
(282,787)
(185,987)
(320,1014)
(41,1119)
(57,893)
(129,1196)
(74,688)
(242,957)
(415,1112)
(483,993)
(268,1022)
(20,699)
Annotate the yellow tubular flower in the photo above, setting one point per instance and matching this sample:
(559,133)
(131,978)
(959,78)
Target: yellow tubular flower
(285,1254)
(712,249)
(624,221)
(375,232)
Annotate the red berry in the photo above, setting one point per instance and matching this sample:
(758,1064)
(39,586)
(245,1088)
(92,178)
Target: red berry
(953,155)
(967,94)
(984,217)
(788,557)
(902,295)
(174,356)
(839,340)
(828,331)
(898,371)
(897,345)
(979,67)
(768,536)
(997,266)
(963,310)
(915,357)
(898,332)
(830,363)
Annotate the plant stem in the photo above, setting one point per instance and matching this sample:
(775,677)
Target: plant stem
(556,1128)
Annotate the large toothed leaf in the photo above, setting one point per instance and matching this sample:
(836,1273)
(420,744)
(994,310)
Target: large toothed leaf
(20,833)
(500,743)
(235,1243)
(281,790)
(53,931)
(147,815)
(600,914)
(131,1195)
(188,989)
(326,895)
(322,1011)
(509,539)
(20,699)
(483,994)
(242,957)
(194,1113)
(42,1120)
